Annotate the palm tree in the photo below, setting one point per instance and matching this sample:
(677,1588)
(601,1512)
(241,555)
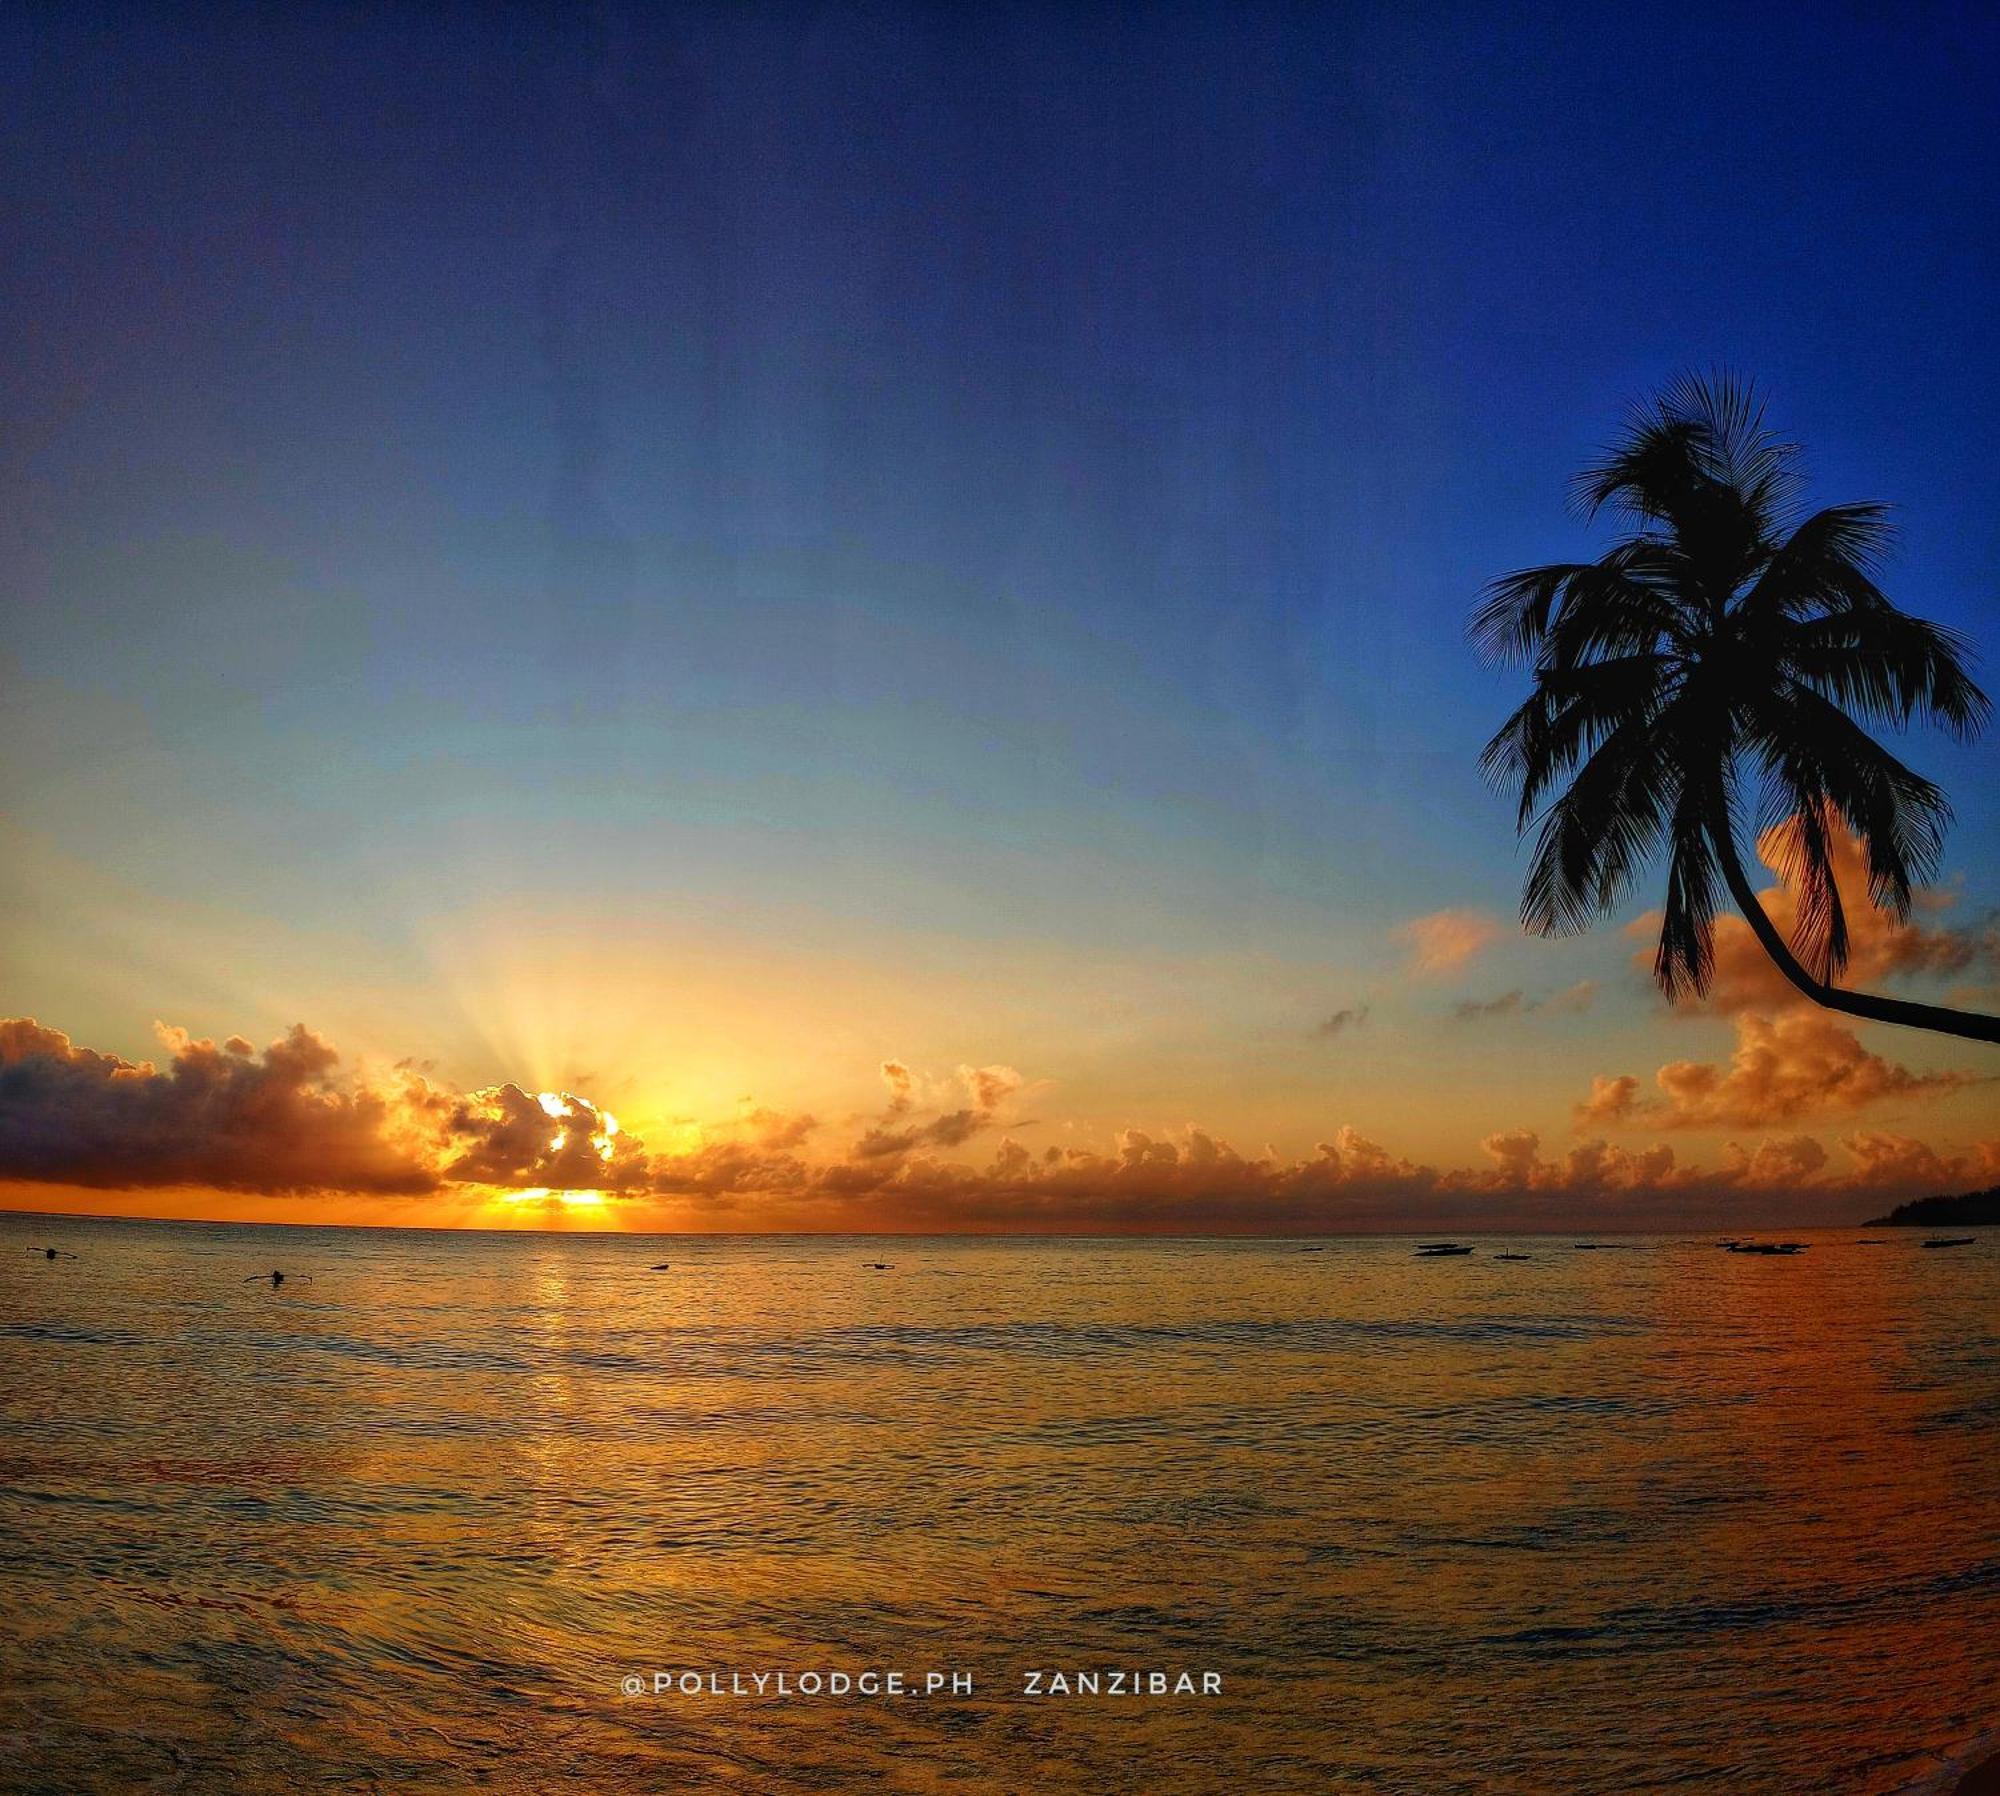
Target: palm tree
(1723,641)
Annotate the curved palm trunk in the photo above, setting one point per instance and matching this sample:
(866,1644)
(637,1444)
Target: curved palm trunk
(1968,1023)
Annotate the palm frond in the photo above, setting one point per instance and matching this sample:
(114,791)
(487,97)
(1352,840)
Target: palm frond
(1805,864)
(1699,460)
(1828,563)
(1684,962)
(1567,716)
(1510,621)
(1631,602)
(1887,665)
(1823,756)
(1596,835)
(1744,457)
(1650,474)
(1620,603)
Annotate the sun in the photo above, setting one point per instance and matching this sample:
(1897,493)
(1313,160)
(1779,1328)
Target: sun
(560,1106)
(549,1197)
(553,1207)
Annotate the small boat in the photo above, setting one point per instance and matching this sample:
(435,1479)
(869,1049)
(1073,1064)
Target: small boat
(1513,1256)
(1767,1247)
(1950,1241)
(663,1266)
(1440,1250)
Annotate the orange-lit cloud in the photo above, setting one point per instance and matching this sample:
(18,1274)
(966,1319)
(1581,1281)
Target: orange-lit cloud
(1780,1162)
(506,1136)
(1881,947)
(987,1087)
(1193,1180)
(1900,1162)
(226,1117)
(1798,1064)
(1447,940)
(1612,1099)
(291,1120)
(1590,1166)
(1801,1063)
(776,1131)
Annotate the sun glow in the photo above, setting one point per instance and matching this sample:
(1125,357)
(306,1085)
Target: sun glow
(560,1106)
(550,1198)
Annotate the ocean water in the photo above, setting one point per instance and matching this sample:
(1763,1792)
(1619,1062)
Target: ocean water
(1659,1518)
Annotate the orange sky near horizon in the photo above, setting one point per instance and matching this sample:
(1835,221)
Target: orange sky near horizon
(1141,1105)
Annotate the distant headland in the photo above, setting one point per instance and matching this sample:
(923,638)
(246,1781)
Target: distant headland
(1973,1208)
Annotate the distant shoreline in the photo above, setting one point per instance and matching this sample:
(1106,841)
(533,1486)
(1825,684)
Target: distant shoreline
(1973,1209)
(1705,1232)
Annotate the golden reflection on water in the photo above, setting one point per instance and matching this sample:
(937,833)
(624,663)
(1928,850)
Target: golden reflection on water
(1596,1521)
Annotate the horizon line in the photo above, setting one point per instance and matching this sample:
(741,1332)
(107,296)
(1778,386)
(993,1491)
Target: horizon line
(411,1228)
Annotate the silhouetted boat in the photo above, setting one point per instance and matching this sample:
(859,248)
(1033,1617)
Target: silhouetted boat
(1950,1241)
(1767,1247)
(1513,1256)
(1440,1250)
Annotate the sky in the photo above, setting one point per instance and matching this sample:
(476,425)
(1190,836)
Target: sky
(878,591)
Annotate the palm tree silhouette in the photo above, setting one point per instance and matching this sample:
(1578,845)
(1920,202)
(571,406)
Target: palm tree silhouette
(1723,641)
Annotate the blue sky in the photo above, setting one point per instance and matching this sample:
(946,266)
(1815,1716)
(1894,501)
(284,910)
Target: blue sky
(941,488)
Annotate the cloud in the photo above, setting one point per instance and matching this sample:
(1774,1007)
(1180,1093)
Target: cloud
(1479,1010)
(987,1087)
(950,1130)
(1447,940)
(1782,1162)
(1611,1100)
(1341,1021)
(1881,947)
(1591,1166)
(506,1136)
(1786,1068)
(1572,1000)
(1901,1163)
(990,1086)
(225,1117)
(1568,1002)
(1798,1064)
(292,1119)
(776,1131)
